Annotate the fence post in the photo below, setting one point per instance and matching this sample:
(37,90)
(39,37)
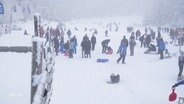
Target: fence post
(36,69)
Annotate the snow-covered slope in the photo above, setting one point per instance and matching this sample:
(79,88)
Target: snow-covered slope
(145,79)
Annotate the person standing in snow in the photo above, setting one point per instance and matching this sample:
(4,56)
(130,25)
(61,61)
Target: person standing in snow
(122,52)
(158,40)
(132,44)
(125,41)
(138,33)
(180,64)
(56,44)
(147,40)
(69,33)
(62,44)
(87,48)
(66,48)
(75,44)
(71,48)
(106,33)
(83,47)
(85,37)
(161,47)
(93,42)
(141,39)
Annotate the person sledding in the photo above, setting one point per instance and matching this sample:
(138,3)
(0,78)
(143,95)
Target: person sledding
(114,78)
(151,48)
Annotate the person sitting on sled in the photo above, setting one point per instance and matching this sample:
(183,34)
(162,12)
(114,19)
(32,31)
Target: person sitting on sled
(114,78)
(151,48)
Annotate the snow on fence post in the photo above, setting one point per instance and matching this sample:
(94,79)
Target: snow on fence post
(34,56)
(43,61)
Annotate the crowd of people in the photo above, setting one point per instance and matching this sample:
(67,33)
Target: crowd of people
(149,39)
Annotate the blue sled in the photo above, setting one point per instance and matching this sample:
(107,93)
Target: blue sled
(102,60)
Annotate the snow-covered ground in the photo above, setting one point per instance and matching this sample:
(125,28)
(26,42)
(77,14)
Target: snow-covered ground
(144,79)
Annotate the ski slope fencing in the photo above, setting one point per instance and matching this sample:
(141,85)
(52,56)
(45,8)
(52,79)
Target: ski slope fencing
(42,72)
(19,49)
(43,61)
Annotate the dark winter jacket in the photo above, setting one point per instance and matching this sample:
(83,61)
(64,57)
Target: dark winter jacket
(69,33)
(66,46)
(56,42)
(87,47)
(93,40)
(83,44)
(141,38)
(181,60)
(178,83)
(148,39)
(125,41)
(132,43)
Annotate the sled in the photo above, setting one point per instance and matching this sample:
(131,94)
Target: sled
(109,52)
(109,82)
(102,60)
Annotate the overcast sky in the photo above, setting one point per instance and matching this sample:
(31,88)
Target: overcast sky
(95,8)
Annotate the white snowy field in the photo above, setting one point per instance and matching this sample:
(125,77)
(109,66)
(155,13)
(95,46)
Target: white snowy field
(144,79)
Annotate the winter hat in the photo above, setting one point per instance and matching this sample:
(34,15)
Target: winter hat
(173,95)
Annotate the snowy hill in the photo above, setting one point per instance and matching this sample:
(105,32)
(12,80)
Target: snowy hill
(144,79)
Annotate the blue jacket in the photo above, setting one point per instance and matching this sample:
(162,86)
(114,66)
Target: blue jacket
(122,49)
(161,45)
(178,83)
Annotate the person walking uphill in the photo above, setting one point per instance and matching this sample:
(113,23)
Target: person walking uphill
(122,52)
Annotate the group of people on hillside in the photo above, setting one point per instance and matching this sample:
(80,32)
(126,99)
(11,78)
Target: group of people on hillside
(70,47)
